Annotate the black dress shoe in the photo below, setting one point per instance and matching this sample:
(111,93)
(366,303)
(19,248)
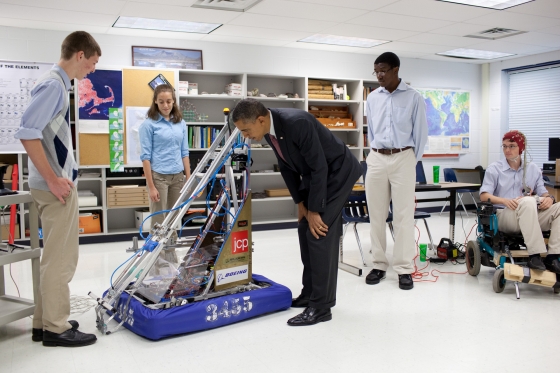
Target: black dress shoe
(311,316)
(536,262)
(552,265)
(405,282)
(300,302)
(69,338)
(37,334)
(375,276)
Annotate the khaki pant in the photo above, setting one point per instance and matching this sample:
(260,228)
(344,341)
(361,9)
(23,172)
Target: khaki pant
(531,221)
(59,259)
(392,177)
(169,188)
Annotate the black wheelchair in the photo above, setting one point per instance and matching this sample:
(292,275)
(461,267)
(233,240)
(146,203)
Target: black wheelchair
(496,249)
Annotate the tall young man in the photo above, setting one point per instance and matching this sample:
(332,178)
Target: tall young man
(397,133)
(45,135)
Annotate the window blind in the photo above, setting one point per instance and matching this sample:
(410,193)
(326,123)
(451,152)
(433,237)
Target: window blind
(534,108)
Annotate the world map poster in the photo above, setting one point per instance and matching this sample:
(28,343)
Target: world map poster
(98,92)
(448,114)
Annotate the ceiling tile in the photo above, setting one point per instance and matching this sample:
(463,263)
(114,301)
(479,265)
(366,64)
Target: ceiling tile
(460,29)
(240,40)
(179,13)
(509,47)
(544,8)
(378,33)
(436,10)
(413,47)
(515,21)
(306,11)
(52,15)
(356,4)
(394,21)
(183,3)
(112,7)
(438,39)
(155,34)
(551,30)
(45,25)
(260,33)
(280,23)
(536,38)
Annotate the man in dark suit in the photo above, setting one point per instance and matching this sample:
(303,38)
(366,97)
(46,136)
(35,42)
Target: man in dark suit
(320,172)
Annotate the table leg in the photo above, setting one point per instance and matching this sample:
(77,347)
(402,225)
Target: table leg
(34,242)
(452,204)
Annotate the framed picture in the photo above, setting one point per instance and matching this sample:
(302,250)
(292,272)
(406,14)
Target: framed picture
(167,58)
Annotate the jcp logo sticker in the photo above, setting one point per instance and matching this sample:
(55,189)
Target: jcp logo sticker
(239,242)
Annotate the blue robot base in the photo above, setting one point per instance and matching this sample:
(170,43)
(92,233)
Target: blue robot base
(156,324)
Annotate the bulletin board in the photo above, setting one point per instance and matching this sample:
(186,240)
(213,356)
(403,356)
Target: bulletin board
(94,148)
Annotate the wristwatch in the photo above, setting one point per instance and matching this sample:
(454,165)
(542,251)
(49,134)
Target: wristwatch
(552,197)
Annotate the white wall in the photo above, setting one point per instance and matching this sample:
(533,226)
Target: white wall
(499,98)
(44,46)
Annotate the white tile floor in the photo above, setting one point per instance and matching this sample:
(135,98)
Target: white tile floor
(457,324)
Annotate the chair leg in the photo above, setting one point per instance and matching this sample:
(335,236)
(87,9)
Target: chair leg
(460,195)
(429,234)
(474,200)
(359,243)
(443,208)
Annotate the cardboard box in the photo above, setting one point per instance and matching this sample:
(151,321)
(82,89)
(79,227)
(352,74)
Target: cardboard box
(183,84)
(277,192)
(193,88)
(234,87)
(132,195)
(6,231)
(139,216)
(89,223)
(234,93)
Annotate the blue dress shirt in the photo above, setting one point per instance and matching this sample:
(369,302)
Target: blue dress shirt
(397,120)
(164,144)
(47,100)
(502,181)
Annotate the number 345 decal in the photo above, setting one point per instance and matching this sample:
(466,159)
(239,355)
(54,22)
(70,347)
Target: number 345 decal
(229,309)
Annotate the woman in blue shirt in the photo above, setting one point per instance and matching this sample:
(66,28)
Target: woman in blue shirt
(165,151)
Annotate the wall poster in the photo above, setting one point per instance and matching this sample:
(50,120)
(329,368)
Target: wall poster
(17,79)
(448,114)
(98,92)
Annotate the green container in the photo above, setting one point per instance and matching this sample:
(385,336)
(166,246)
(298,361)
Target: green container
(423,249)
(436,174)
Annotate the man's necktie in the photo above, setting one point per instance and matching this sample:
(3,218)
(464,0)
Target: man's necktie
(274,141)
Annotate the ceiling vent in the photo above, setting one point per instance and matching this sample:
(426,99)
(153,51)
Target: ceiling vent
(495,33)
(233,5)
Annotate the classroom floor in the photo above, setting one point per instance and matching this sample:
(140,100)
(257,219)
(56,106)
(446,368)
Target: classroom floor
(457,324)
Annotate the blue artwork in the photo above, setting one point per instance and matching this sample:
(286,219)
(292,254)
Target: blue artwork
(98,92)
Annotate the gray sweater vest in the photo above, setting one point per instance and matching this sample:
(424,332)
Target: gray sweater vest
(57,143)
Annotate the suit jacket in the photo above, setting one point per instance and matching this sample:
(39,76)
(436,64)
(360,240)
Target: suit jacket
(318,166)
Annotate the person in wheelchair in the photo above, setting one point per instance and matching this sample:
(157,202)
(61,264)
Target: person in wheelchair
(517,187)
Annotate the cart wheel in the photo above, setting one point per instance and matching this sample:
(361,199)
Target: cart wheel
(499,282)
(473,258)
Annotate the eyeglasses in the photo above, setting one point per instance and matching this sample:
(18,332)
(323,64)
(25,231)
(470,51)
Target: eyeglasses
(510,147)
(382,73)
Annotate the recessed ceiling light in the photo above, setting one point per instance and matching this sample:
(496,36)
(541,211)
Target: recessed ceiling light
(165,25)
(492,4)
(474,54)
(342,40)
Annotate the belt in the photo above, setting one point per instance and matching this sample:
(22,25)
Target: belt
(391,151)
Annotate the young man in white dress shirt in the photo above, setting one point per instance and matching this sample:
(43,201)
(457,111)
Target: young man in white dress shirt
(397,133)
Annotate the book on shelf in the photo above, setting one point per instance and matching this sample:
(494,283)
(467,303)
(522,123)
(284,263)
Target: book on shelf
(201,137)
